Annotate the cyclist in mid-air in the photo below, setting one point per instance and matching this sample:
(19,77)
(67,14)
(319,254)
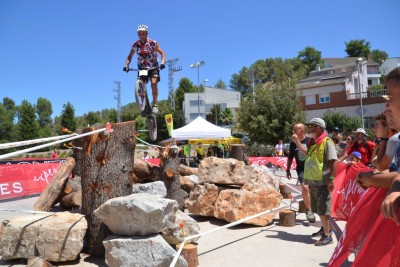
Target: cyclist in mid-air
(147,50)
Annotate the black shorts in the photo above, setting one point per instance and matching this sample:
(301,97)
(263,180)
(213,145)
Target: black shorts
(300,176)
(153,73)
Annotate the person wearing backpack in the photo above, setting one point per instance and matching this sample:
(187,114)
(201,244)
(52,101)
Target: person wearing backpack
(361,145)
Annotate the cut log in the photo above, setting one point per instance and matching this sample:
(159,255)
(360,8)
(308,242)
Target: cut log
(237,152)
(73,200)
(106,165)
(284,190)
(302,206)
(186,183)
(287,218)
(170,177)
(189,253)
(54,190)
(186,171)
(145,172)
(73,185)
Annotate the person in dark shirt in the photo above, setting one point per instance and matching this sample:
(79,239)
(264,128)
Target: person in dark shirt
(298,138)
(217,150)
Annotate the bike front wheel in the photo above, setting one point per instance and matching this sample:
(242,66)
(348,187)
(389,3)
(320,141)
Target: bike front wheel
(152,126)
(141,95)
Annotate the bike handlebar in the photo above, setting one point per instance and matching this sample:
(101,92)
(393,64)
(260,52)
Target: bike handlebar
(132,69)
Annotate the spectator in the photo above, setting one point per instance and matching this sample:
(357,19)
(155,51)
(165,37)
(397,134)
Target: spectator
(361,145)
(298,150)
(145,155)
(210,151)
(54,155)
(335,133)
(319,173)
(217,151)
(391,180)
(200,151)
(349,142)
(337,146)
(355,159)
(279,149)
(386,143)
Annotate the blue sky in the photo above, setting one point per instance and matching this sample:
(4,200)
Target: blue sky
(75,50)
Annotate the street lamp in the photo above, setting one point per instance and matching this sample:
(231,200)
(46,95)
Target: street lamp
(198,65)
(358,61)
(205,81)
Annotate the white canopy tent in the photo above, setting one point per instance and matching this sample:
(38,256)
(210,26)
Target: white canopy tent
(200,129)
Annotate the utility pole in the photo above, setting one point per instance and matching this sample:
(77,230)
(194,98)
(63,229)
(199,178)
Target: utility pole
(118,98)
(171,70)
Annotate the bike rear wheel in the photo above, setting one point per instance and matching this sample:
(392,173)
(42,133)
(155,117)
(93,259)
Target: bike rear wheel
(152,126)
(141,95)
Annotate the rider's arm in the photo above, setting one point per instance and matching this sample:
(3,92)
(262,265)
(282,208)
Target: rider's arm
(159,50)
(128,60)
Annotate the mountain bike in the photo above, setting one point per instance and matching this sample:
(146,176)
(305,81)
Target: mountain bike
(142,100)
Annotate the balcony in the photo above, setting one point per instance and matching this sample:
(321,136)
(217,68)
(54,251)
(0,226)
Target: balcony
(368,94)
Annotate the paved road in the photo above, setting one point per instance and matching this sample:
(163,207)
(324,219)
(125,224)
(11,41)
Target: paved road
(239,246)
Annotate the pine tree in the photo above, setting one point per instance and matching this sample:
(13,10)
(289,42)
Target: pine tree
(28,127)
(68,119)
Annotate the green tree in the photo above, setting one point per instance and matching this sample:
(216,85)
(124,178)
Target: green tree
(272,113)
(220,84)
(44,110)
(227,116)
(345,123)
(215,115)
(68,119)
(177,117)
(358,48)
(28,127)
(310,57)
(185,86)
(92,118)
(378,56)
(7,116)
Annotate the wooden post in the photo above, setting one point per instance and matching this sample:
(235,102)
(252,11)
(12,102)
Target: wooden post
(170,177)
(287,218)
(106,165)
(284,190)
(189,252)
(54,190)
(237,151)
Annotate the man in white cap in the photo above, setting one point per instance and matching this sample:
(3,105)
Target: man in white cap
(319,173)
(361,145)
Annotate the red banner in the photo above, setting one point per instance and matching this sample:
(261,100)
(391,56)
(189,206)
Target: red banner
(17,180)
(277,161)
(347,192)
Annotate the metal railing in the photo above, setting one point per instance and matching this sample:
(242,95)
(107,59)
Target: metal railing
(367,94)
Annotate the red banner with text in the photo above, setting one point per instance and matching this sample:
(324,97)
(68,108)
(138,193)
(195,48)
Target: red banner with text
(18,180)
(276,161)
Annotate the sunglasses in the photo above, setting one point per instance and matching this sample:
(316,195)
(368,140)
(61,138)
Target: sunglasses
(312,126)
(349,139)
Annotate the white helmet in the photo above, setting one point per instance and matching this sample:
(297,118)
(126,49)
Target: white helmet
(142,27)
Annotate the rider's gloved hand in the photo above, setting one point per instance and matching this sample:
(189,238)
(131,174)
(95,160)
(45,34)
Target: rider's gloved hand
(126,68)
(162,66)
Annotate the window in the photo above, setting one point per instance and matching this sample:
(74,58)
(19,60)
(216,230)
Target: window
(324,99)
(310,100)
(193,103)
(369,82)
(193,115)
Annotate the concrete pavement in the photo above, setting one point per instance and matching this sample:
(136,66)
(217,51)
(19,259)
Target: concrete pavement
(239,246)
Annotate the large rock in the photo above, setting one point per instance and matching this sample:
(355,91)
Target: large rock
(137,214)
(53,237)
(202,199)
(135,251)
(233,205)
(155,188)
(174,235)
(221,171)
(259,176)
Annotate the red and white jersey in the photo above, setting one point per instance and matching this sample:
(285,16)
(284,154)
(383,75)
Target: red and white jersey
(147,54)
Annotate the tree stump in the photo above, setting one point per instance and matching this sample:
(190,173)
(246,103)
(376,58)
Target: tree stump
(302,206)
(171,178)
(287,218)
(54,190)
(106,164)
(237,151)
(189,252)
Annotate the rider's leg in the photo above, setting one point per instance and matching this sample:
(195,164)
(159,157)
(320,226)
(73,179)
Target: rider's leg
(154,89)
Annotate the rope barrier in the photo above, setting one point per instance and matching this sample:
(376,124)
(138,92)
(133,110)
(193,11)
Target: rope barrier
(178,253)
(33,141)
(148,144)
(27,211)
(9,155)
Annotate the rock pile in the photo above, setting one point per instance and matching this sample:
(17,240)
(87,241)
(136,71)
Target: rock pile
(230,190)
